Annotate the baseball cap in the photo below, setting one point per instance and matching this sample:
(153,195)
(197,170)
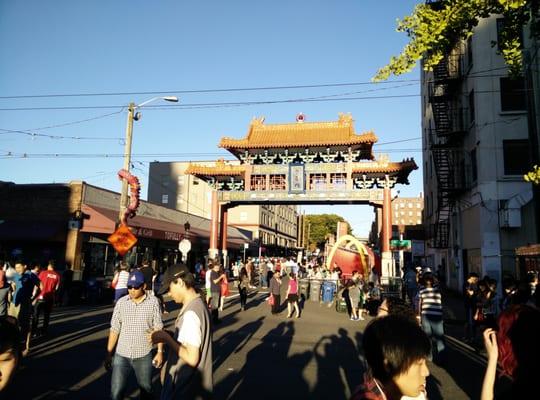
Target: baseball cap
(171,274)
(136,278)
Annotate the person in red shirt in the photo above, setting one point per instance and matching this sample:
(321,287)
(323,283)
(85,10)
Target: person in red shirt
(50,282)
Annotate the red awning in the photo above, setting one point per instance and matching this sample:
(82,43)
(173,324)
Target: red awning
(103,220)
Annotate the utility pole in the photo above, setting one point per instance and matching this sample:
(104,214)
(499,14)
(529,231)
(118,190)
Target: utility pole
(127,147)
(127,159)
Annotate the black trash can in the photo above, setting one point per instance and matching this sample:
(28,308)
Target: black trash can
(303,288)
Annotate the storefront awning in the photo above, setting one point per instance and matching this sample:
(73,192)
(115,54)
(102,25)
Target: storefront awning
(103,220)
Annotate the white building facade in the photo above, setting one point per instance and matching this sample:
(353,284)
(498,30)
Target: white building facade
(478,209)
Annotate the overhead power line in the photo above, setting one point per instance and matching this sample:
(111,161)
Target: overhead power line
(34,134)
(13,155)
(209,105)
(475,74)
(195,91)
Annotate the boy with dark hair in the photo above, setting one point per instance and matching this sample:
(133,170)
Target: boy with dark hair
(397,362)
(188,372)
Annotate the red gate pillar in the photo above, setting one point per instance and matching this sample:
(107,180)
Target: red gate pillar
(386,230)
(223,235)
(214,226)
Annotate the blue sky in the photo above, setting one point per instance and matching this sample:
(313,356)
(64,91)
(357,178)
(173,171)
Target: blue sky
(140,47)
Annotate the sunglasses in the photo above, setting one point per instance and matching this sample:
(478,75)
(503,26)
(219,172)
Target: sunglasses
(134,287)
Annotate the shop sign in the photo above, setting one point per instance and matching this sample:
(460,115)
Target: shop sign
(122,239)
(172,235)
(149,233)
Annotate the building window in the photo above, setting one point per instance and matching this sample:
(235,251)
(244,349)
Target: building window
(418,205)
(474,168)
(516,157)
(258,182)
(410,213)
(513,96)
(418,214)
(410,205)
(164,199)
(402,205)
(471,107)
(278,182)
(338,181)
(317,182)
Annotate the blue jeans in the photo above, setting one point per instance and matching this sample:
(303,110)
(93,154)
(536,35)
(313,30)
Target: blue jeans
(434,328)
(122,367)
(264,282)
(119,293)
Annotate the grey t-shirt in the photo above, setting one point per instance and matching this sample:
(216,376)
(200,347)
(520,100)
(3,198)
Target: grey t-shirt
(181,380)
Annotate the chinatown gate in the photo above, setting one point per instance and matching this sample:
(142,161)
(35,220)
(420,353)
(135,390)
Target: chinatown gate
(302,163)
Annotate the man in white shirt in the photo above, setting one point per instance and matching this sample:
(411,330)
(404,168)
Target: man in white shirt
(188,373)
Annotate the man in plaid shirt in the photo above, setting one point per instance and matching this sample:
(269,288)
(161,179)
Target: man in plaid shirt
(134,316)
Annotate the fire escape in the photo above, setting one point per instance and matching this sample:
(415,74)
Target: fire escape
(444,140)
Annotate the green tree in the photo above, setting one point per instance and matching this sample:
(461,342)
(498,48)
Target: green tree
(321,226)
(533,176)
(435,28)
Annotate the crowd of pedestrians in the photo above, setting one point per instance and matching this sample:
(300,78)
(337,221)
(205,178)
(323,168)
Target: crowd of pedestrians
(507,320)
(28,295)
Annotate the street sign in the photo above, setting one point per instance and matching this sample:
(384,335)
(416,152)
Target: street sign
(397,244)
(184,246)
(122,240)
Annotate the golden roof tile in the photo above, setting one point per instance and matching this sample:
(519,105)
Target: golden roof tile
(221,168)
(384,166)
(300,135)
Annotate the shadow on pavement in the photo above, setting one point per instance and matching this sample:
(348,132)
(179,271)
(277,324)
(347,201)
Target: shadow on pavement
(234,341)
(268,372)
(339,368)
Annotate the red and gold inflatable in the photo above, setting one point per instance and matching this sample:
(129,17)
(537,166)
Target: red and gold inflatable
(350,255)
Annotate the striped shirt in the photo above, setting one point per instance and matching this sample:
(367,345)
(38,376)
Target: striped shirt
(430,299)
(132,322)
(122,282)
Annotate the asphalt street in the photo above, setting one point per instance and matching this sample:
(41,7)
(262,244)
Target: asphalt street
(256,355)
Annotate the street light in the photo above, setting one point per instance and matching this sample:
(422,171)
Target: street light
(132,115)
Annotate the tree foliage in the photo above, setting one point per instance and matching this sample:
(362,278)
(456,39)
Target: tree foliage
(321,226)
(436,27)
(533,176)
